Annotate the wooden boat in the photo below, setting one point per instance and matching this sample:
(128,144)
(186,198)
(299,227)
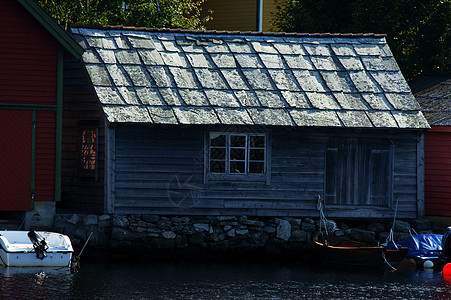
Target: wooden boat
(35,249)
(340,251)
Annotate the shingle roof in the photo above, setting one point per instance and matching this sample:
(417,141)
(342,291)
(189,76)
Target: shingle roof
(188,77)
(436,103)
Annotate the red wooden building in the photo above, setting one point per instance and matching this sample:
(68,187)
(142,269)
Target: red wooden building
(32,49)
(434,96)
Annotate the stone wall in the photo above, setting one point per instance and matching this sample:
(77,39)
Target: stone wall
(153,234)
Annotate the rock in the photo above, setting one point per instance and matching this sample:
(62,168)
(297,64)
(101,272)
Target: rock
(376,227)
(169,235)
(242,231)
(104,220)
(421,224)
(226,218)
(298,236)
(397,236)
(339,233)
(308,227)
(202,227)
(120,221)
(153,229)
(343,226)
(402,226)
(269,229)
(150,218)
(231,233)
(283,230)
(138,229)
(252,223)
(91,220)
(73,219)
(362,235)
(259,238)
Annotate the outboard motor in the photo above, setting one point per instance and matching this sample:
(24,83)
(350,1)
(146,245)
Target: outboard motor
(446,244)
(39,244)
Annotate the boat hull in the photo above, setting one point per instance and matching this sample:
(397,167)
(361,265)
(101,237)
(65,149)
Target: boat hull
(16,250)
(349,253)
(29,259)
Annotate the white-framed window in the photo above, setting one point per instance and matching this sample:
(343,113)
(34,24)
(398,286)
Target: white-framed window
(237,153)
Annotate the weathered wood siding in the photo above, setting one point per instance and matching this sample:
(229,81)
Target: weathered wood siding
(438,172)
(160,170)
(80,108)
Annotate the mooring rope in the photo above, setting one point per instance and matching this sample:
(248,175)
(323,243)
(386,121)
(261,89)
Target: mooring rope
(322,216)
(390,236)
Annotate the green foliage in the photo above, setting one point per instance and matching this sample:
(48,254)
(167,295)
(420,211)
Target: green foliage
(184,14)
(418,31)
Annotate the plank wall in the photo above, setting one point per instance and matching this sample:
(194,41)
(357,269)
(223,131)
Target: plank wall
(160,170)
(438,172)
(28,76)
(80,107)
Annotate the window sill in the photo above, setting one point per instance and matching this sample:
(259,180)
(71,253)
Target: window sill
(261,178)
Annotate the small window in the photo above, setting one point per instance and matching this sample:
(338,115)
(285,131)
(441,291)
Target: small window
(89,149)
(237,153)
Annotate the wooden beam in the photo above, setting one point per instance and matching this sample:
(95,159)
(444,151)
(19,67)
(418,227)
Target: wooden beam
(110,168)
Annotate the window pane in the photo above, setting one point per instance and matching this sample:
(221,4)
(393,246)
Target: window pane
(237,141)
(218,140)
(257,141)
(256,167)
(217,166)
(257,154)
(237,167)
(218,153)
(237,154)
(88,149)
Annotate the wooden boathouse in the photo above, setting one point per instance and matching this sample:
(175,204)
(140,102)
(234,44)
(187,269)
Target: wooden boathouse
(31,99)
(175,122)
(434,96)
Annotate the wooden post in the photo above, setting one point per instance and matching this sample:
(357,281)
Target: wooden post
(110,159)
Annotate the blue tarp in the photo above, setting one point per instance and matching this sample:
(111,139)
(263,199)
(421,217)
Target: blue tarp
(426,246)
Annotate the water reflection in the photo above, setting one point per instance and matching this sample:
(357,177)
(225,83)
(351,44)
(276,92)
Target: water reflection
(125,280)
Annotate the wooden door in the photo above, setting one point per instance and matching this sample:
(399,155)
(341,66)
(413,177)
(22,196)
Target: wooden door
(15,160)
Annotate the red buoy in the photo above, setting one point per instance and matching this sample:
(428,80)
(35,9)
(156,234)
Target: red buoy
(447,270)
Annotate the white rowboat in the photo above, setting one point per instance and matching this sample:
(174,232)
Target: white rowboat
(35,249)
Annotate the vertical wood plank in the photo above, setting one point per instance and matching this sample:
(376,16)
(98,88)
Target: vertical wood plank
(420,175)
(110,167)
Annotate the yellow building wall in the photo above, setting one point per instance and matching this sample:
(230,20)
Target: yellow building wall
(237,15)
(269,8)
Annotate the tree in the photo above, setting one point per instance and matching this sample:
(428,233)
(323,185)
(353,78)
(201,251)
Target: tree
(418,31)
(184,14)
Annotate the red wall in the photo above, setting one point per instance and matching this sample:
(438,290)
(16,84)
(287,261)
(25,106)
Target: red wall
(28,58)
(437,189)
(28,75)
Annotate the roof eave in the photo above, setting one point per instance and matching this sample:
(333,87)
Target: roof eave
(52,27)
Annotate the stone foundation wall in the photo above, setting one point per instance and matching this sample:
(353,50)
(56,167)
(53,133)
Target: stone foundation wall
(216,234)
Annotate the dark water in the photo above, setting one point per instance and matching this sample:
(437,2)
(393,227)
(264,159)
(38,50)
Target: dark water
(124,280)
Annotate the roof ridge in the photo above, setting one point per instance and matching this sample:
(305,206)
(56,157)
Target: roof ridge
(216,32)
